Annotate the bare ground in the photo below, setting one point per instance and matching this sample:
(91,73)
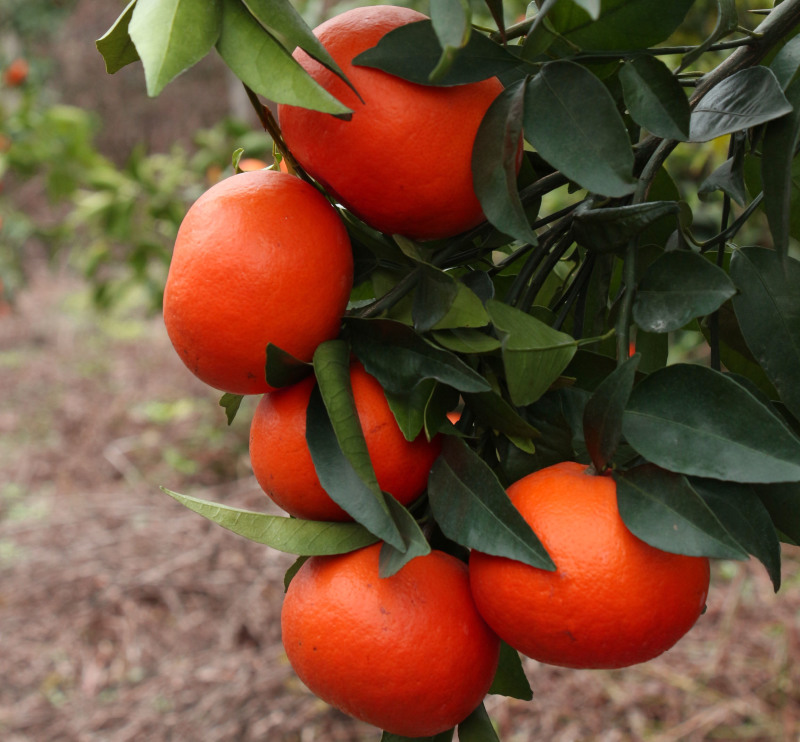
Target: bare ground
(124,617)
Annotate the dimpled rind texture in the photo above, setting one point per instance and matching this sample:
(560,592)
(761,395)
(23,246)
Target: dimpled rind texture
(407,653)
(613,601)
(283,466)
(261,257)
(403,161)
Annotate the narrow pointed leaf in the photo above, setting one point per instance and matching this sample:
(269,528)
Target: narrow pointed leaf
(602,416)
(116,45)
(477,727)
(655,98)
(492,410)
(727,22)
(172,35)
(451,20)
(747,98)
(510,679)
(465,340)
(573,122)
(768,311)
(662,509)
(677,287)
(728,178)
(282,368)
(292,535)
(392,560)
(694,420)
(230,403)
(472,508)
(783,504)
(786,62)
(611,229)
(409,409)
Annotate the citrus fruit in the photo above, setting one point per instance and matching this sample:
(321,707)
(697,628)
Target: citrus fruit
(16,73)
(402,163)
(408,653)
(613,600)
(246,164)
(261,257)
(282,462)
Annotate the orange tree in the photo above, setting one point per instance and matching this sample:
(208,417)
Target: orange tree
(607,307)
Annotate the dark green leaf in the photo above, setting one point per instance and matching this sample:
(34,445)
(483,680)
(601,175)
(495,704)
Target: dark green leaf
(786,62)
(477,727)
(172,35)
(413,52)
(441,301)
(662,509)
(260,61)
(400,359)
(655,98)
(283,369)
(115,44)
(694,420)
(494,164)
(747,98)
(676,288)
(467,341)
(610,229)
(288,576)
(510,679)
(292,535)
(392,560)
(654,349)
(783,504)
(492,410)
(451,20)
(230,403)
(602,416)
(441,737)
(744,516)
(728,178)
(573,122)
(534,354)
(409,409)
(472,508)
(727,22)
(768,310)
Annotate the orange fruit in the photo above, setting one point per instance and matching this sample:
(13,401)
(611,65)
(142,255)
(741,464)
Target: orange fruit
(246,164)
(282,462)
(260,257)
(408,653)
(402,163)
(613,600)
(16,73)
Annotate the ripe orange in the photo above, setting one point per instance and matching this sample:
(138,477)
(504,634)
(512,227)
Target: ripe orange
(16,73)
(613,601)
(403,161)
(260,257)
(246,164)
(408,653)
(282,462)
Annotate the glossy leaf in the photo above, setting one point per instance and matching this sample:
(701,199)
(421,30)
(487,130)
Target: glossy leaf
(409,409)
(747,98)
(116,45)
(392,560)
(477,727)
(768,311)
(602,416)
(441,301)
(494,164)
(510,679)
(727,23)
(728,178)
(662,509)
(260,61)
(231,403)
(786,62)
(694,420)
(572,121)
(472,508)
(534,354)
(783,504)
(610,229)
(292,535)
(283,369)
(492,410)
(451,20)
(400,359)
(465,340)
(747,520)
(677,287)
(172,35)
(655,98)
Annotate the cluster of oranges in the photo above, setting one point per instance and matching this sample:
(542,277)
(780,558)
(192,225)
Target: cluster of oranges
(263,257)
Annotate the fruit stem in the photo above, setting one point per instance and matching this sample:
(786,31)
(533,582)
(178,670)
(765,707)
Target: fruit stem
(271,127)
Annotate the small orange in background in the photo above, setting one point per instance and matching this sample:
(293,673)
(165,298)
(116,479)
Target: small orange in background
(246,164)
(613,601)
(16,73)
(408,653)
(402,163)
(261,257)
(282,462)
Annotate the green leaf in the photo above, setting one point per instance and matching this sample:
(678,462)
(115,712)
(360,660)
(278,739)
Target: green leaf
(413,52)
(400,359)
(442,301)
(472,508)
(492,410)
(465,312)
(744,516)
(768,311)
(534,354)
(451,19)
(494,164)
(573,122)
(602,416)
(230,403)
(728,178)
(115,44)
(786,62)
(655,98)
(783,504)
(260,61)
(612,228)
(677,287)
(510,679)
(282,368)
(172,35)
(409,409)
(465,340)
(289,574)
(694,420)
(392,560)
(747,98)
(662,509)
(477,727)
(292,535)
(727,22)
